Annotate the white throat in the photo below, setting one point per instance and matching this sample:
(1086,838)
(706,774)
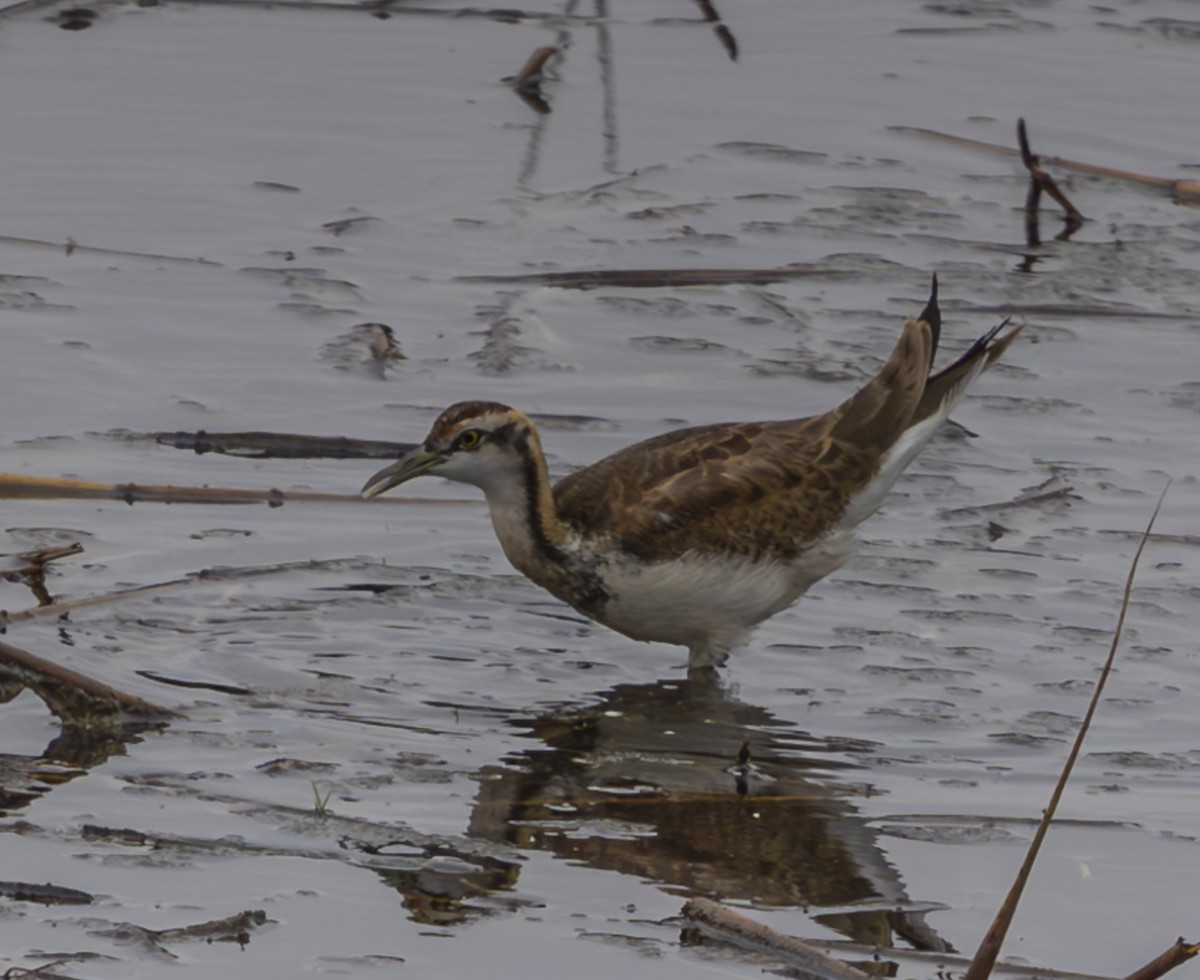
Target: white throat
(512,518)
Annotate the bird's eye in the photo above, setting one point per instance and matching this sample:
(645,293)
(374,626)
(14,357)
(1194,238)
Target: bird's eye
(469,439)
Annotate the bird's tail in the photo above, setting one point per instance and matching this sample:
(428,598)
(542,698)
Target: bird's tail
(944,389)
(917,414)
(876,415)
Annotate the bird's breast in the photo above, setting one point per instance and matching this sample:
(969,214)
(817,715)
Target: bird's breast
(696,597)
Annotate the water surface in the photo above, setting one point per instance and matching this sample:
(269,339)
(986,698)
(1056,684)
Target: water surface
(504,785)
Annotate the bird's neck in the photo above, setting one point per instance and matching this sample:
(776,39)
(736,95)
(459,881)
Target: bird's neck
(524,515)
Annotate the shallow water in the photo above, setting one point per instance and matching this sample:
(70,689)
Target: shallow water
(507,786)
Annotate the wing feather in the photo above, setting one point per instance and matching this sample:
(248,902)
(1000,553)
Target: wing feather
(761,489)
(773,489)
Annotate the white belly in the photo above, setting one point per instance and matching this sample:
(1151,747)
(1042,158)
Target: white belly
(709,603)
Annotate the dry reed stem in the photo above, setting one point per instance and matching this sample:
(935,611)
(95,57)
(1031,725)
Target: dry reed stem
(989,948)
(1184,191)
(70,246)
(14,486)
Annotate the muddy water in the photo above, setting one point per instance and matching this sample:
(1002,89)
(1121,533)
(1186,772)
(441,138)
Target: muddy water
(401,750)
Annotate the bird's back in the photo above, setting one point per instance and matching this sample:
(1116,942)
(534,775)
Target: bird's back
(771,490)
(754,490)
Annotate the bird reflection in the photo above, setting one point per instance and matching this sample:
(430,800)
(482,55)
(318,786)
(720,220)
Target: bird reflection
(681,783)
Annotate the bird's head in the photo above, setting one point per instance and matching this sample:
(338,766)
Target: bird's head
(481,443)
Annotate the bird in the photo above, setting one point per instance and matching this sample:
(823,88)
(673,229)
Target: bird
(696,536)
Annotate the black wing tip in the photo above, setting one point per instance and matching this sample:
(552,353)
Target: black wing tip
(985,346)
(985,342)
(932,315)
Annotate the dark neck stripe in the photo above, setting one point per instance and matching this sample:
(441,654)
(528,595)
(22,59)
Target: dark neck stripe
(533,499)
(589,592)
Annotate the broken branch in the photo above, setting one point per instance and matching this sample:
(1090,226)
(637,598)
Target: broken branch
(74,698)
(1040,181)
(1175,955)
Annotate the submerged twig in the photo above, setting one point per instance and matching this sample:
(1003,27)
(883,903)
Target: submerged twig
(719,922)
(218,574)
(1036,495)
(282,445)
(387,8)
(989,949)
(340,226)
(40,972)
(1188,539)
(44,894)
(709,12)
(655,278)
(154,675)
(234,929)
(8,619)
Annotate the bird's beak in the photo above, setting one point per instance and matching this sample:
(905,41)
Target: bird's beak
(419,461)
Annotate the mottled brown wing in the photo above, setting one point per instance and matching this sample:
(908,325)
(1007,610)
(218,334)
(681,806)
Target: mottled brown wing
(757,489)
(599,498)
(662,497)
